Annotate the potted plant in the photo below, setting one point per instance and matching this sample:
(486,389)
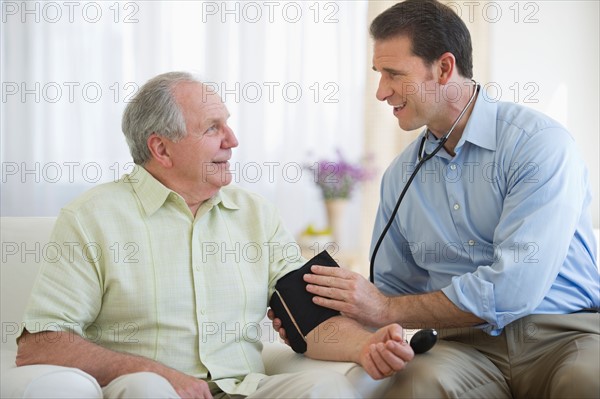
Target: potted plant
(337,179)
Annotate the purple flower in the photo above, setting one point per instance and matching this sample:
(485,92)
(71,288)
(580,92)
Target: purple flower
(337,179)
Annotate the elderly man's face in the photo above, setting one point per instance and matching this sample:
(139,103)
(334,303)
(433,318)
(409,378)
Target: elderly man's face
(201,159)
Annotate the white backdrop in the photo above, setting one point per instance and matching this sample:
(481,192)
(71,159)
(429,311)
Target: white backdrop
(291,74)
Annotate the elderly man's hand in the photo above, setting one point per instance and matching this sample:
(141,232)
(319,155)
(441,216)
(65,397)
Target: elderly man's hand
(385,352)
(349,293)
(188,387)
(277,326)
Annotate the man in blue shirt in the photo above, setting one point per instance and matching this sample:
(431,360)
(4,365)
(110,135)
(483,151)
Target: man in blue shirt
(493,242)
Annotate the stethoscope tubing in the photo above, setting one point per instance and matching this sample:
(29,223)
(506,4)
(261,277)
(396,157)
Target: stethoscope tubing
(422,158)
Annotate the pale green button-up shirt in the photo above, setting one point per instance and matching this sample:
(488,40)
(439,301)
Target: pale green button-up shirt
(131,269)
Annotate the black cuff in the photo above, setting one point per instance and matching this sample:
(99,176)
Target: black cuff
(293,305)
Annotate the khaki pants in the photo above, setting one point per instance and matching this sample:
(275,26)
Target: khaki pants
(308,384)
(538,356)
(48,382)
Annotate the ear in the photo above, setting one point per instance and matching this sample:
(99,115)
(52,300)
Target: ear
(445,67)
(159,150)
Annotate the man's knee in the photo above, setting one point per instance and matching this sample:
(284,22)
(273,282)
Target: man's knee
(449,370)
(580,382)
(140,385)
(420,383)
(332,384)
(48,381)
(321,383)
(577,376)
(567,370)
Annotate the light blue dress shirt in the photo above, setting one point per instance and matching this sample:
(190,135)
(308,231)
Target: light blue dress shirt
(503,228)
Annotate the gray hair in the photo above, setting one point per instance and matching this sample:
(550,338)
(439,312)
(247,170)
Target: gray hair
(154,110)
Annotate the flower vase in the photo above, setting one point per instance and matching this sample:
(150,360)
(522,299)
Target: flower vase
(335,217)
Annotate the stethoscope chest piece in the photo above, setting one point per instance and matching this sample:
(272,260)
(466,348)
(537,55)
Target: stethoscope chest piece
(423,340)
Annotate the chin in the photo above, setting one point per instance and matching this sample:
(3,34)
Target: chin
(409,126)
(216,182)
(224,180)
(405,126)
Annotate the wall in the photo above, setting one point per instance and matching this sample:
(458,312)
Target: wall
(546,57)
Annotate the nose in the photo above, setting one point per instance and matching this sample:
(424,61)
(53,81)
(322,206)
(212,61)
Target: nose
(384,89)
(229,140)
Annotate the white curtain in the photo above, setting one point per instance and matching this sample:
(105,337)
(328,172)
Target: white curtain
(291,74)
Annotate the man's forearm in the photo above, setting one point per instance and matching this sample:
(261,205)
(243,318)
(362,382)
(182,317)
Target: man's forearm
(70,350)
(431,310)
(381,353)
(354,296)
(336,339)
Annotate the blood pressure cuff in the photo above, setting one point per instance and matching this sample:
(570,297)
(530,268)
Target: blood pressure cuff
(293,305)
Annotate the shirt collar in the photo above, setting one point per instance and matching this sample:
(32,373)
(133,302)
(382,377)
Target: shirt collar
(227,200)
(481,126)
(153,194)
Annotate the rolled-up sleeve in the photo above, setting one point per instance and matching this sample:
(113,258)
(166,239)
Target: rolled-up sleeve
(545,194)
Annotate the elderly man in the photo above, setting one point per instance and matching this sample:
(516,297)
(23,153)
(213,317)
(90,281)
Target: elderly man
(493,244)
(146,308)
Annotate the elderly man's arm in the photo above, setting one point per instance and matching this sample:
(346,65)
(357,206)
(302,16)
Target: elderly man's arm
(380,353)
(71,350)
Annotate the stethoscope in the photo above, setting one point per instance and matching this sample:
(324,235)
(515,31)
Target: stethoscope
(422,157)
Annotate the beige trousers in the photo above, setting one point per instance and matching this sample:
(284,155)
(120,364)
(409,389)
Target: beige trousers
(309,384)
(42,381)
(538,356)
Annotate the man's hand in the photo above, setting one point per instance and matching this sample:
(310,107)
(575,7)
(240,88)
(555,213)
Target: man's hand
(349,293)
(385,352)
(188,387)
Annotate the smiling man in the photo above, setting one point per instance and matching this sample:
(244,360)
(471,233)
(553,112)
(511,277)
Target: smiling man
(155,311)
(493,244)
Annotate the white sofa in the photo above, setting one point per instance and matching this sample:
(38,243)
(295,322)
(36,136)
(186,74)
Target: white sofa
(24,241)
